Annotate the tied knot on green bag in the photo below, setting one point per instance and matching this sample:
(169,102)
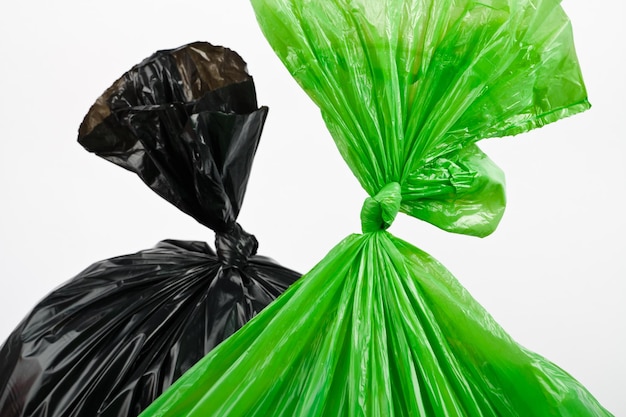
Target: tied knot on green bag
(379,211)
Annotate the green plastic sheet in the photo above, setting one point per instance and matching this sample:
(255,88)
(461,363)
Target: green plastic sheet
(378,327)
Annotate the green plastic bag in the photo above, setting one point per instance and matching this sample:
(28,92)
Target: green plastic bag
(378,327)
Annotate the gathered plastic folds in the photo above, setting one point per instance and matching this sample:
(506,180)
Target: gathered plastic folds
(378,327)
(113,338)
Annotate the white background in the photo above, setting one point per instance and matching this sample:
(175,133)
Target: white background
(553,274)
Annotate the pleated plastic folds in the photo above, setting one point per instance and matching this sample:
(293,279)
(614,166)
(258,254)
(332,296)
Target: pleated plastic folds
(113,338)
(378,327)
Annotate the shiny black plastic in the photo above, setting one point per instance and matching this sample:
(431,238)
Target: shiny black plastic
(113,338)
(187,122)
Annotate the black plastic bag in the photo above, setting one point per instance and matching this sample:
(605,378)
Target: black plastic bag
(113,338)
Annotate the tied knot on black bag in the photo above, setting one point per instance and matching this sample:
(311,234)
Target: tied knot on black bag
(235,246)
(379,211)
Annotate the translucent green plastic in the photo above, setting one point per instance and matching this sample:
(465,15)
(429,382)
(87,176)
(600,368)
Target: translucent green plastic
(378,327)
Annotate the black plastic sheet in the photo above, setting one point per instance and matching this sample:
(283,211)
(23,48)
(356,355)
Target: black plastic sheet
(113,338)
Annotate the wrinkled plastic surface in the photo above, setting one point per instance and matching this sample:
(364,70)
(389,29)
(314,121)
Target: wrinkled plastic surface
(187,122)
(378,327)
(406,87)
(113,338)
